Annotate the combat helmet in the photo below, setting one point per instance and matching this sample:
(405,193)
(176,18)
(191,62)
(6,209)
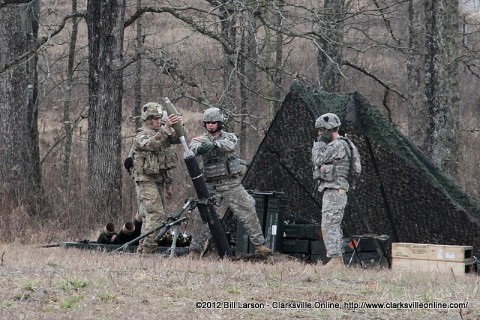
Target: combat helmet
(152,109)
(213,115)
(328,121)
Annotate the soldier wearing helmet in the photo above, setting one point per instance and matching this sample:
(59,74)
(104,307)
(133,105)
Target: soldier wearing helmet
(222,170)
(331,156)
(153,156)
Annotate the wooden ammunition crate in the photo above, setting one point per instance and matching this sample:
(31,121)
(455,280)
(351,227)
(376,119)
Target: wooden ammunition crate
(432,252)
(433,266)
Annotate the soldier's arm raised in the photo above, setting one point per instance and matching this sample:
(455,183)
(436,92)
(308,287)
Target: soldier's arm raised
(322,153)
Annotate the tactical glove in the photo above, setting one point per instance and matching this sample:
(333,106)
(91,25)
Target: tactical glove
(128,164)
(325,137)
(205,147)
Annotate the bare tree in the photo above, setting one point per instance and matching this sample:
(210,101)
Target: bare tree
(138,70)
(228,21)
(278,65)
(330,44)
(67,121)
(249,108)
(434,42)
(105,21)
(417,114)
(20,174)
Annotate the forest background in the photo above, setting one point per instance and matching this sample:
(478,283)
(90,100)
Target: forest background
(74,74)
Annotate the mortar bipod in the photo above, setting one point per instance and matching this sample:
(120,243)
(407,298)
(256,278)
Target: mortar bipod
(189,205)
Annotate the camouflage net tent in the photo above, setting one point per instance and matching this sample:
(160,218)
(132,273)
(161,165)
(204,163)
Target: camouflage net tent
(400,192)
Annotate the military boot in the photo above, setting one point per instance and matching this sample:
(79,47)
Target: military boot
(335,262)
(263,250)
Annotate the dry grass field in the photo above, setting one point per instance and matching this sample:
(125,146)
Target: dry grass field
(59,283)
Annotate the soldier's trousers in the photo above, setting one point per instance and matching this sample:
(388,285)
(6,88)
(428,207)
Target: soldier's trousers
(242,204)
(334,202)
(152,196)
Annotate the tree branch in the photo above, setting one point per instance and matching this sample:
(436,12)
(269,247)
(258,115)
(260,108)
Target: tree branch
(40,43)
(371,75)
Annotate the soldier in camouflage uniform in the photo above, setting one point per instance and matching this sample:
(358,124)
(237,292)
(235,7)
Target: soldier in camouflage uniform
(222,169)
(331,156)
(153,156)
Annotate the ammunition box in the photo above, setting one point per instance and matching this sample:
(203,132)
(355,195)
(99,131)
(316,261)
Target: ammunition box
(318,247)
(433,266)
(243,243)
(422,251)
(270,208)
(296,246)
(302,231)
(276,207)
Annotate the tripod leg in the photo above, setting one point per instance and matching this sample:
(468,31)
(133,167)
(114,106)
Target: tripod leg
(174,241)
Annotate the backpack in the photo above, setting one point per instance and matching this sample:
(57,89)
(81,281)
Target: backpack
(355,164)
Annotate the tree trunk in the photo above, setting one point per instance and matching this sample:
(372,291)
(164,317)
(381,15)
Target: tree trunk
(442,88)
(138,71)
(67,120)
(242,66)
(418,118)
(278,67)
(433,81)
(20,172)
(274,48)
(329,54)
(250,110)
(105,44)
(229,33)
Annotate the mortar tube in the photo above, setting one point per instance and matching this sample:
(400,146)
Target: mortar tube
(107,234)
(126,233)
(206,209)
(204,205)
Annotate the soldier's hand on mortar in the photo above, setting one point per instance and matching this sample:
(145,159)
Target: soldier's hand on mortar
(205,147)
(172,119)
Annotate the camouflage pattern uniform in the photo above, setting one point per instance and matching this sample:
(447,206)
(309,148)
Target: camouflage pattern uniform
(152,159)
(140,205)
(332,165)
(222,170)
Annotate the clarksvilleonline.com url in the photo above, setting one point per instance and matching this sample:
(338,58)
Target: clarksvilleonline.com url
(329,305)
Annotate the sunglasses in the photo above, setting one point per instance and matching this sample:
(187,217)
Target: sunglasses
(210,122)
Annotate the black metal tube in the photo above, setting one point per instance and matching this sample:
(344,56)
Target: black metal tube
(206,209)
(126,233)
(197,178)
(107,233)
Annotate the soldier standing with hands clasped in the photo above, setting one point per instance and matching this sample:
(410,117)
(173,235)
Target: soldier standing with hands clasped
(331,156)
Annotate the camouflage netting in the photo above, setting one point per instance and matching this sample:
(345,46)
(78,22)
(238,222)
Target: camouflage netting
(400,192)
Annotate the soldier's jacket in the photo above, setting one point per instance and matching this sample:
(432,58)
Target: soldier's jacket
(152,157)
(222,162)
(331,164)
